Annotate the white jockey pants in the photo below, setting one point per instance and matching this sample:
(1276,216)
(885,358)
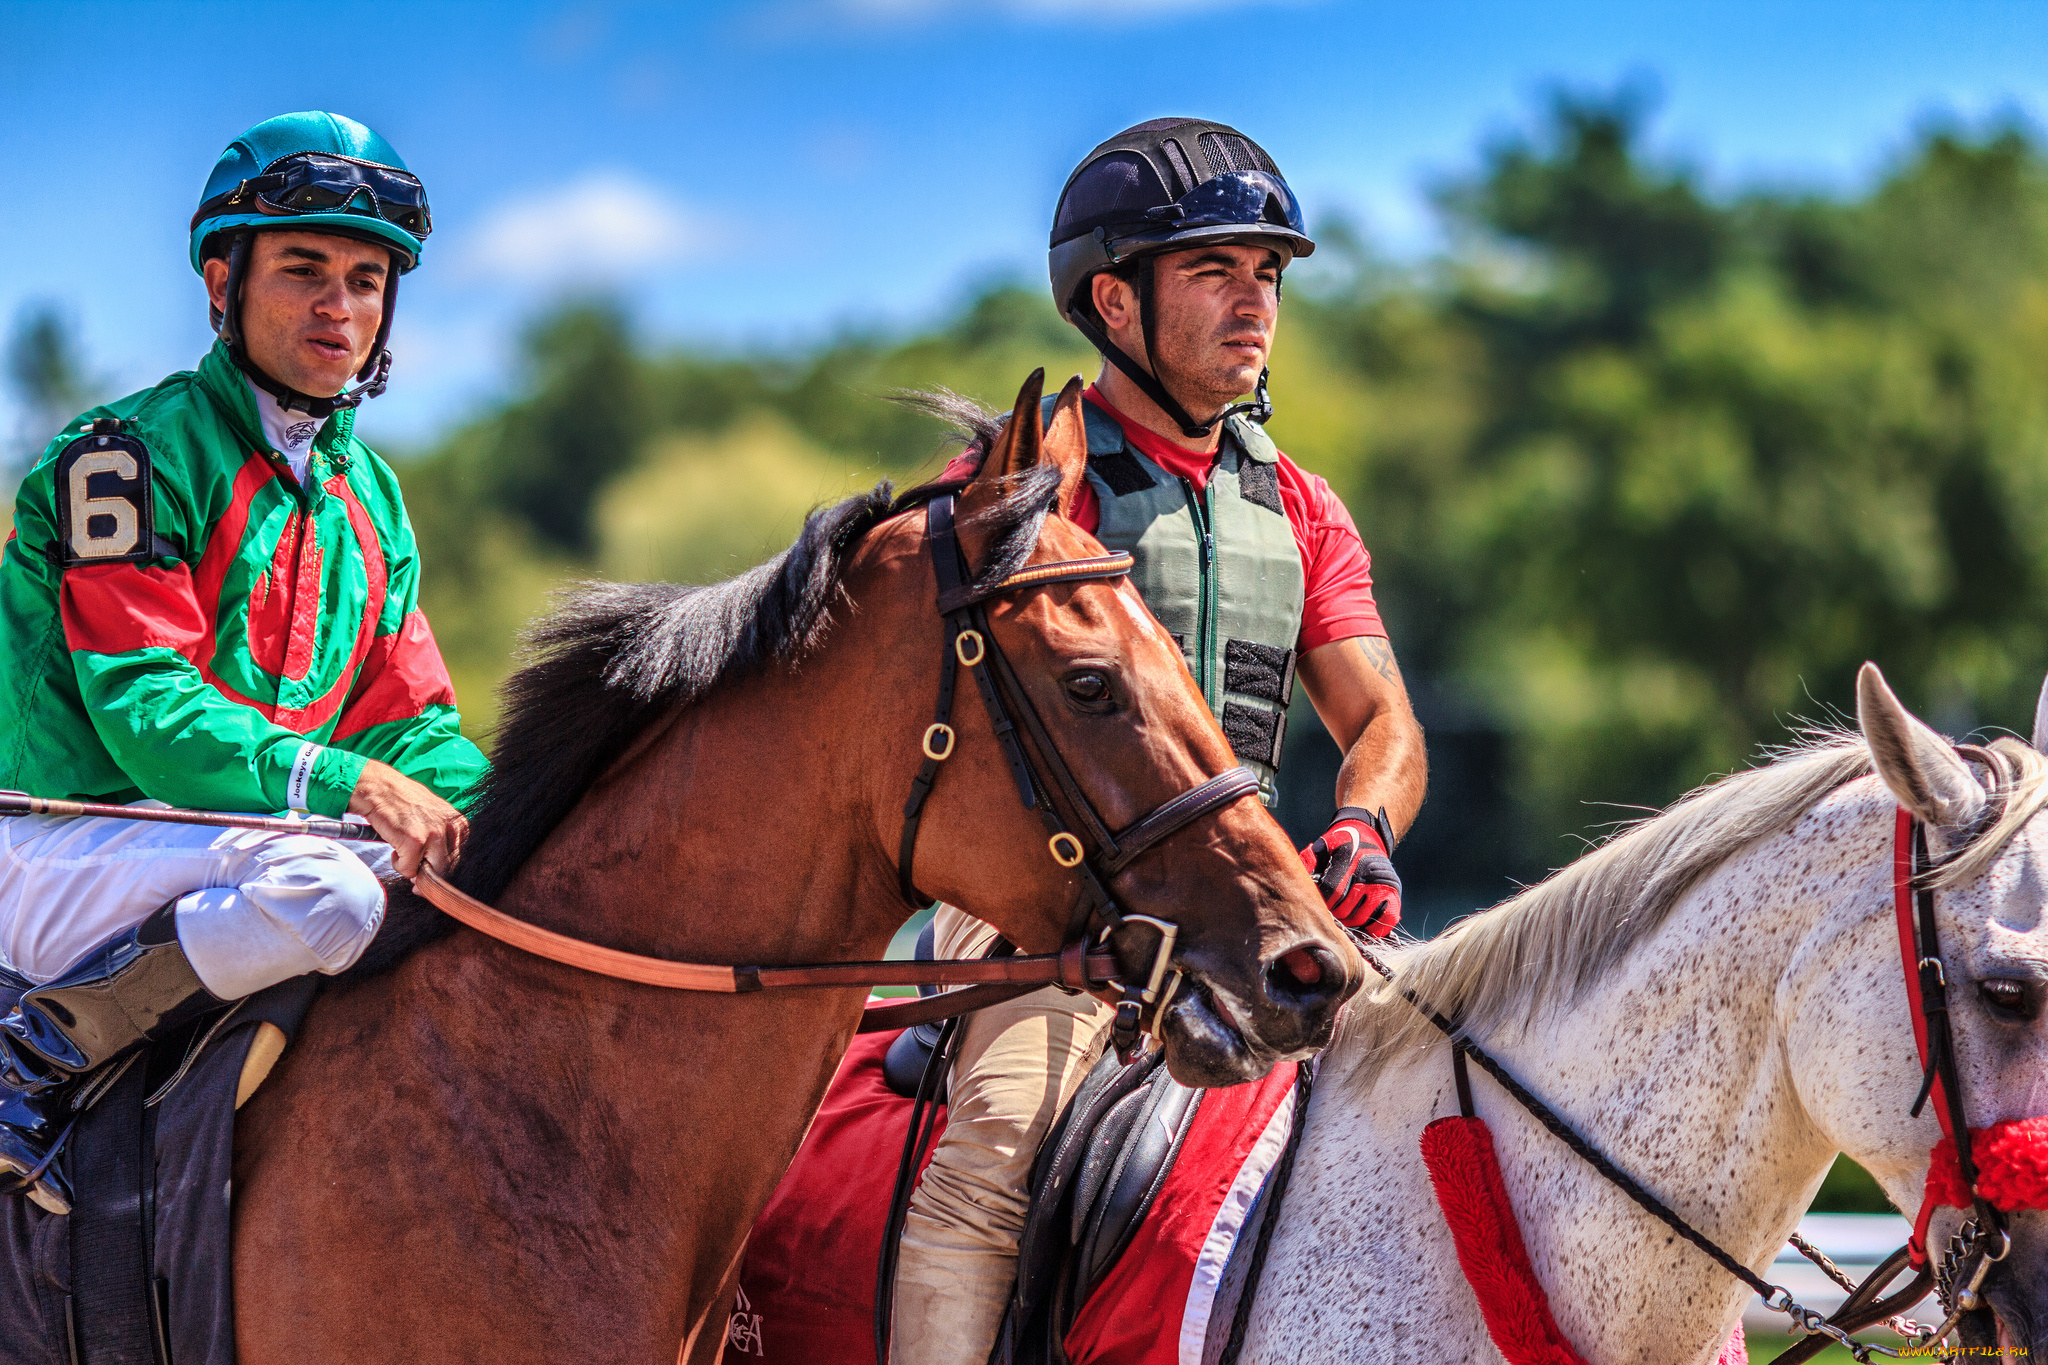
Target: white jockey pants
(254,909)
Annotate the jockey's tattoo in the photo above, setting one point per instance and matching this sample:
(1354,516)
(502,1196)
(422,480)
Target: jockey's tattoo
(1380,654)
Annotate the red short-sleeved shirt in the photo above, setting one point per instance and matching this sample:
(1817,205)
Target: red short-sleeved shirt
(1336,570)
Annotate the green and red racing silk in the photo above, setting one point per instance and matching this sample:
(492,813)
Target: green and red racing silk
(182,619)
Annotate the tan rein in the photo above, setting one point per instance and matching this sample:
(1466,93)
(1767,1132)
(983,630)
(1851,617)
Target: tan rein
(995,978)
(988,981)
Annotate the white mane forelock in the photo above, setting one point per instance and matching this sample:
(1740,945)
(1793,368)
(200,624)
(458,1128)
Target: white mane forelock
(1547,945)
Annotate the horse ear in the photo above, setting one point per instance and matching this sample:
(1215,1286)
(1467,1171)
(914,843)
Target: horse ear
(1923,771)
(1066,443)
(2041,720)
(1023,437)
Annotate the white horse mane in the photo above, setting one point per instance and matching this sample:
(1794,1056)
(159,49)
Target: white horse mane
(1548,944)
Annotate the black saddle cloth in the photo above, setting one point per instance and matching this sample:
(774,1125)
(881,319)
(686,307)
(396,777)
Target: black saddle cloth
(177,1166)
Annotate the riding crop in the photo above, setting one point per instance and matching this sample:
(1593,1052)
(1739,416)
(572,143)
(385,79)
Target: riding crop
(21,803)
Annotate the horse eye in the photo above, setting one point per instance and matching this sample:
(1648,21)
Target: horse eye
(2010,999)
(1089,689)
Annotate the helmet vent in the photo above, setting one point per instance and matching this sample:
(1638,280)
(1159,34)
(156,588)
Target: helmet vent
(1179,160)
(1226,152)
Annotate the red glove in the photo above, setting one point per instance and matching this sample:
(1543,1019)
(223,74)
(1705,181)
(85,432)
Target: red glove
(1354,873)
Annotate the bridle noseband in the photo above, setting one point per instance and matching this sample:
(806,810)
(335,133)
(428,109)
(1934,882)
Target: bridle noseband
(970,644)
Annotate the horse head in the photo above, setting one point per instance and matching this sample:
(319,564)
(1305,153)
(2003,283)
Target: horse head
(1987,864)
(1264,966)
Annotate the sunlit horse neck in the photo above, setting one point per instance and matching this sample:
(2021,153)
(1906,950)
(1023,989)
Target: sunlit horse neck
(1716,1000)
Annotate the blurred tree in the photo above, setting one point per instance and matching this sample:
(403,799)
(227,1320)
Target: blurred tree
(582,423)
(1000,336)
(677,519)
(1848,1188)
(1726,454)
(48,377)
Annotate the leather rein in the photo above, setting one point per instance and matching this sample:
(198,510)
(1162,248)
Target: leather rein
(1079,966)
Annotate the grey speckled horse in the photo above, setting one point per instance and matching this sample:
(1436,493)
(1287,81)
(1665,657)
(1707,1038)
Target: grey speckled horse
(1715,998)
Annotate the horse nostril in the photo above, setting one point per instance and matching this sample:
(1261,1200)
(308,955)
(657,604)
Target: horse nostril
(1304,978)
(1302,963)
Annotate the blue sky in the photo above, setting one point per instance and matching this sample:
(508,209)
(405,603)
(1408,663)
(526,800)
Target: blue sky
(761,173)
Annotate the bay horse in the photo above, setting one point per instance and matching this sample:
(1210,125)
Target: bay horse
(1715,1000)
(472,1154)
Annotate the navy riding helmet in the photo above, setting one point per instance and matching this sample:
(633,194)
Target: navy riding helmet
(1166,185)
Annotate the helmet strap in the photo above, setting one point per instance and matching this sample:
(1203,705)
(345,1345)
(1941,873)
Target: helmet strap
(1260,409)
(374,376)
(1147,382)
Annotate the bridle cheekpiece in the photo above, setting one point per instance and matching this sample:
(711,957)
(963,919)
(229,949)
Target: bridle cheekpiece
(970,644)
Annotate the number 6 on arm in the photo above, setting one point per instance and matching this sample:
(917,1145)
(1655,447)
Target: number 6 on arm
(103,500)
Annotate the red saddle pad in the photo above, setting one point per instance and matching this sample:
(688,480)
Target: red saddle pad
(807,1287)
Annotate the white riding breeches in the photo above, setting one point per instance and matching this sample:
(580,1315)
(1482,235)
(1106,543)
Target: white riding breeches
(254,909)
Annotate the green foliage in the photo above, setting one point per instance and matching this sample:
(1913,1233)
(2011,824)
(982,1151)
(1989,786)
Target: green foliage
(545,458)
(1849,1188)
(1664,471)
(702,508)
(1646,471)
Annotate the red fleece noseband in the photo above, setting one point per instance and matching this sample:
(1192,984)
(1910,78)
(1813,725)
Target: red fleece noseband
(2012,1171)
(2012,1167)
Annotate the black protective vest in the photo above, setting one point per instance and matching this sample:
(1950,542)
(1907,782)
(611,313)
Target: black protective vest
(1219,568)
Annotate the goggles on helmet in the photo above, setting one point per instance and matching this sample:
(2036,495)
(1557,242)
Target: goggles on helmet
(1237,199)
(319,182)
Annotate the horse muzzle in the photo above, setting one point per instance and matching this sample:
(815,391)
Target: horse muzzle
(2017,1291)
(1215,1035)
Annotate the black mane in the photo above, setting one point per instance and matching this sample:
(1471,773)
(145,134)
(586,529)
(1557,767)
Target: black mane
(617,655)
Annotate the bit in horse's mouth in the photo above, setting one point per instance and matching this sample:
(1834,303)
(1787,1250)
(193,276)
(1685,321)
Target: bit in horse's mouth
(1205,1044)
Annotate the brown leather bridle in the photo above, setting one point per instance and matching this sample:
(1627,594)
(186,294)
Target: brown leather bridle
(969,643)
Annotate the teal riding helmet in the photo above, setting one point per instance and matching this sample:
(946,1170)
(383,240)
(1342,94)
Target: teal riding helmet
(314,172)
(310,172)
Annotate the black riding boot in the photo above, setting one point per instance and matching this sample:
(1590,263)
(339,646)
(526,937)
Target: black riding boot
(135,987)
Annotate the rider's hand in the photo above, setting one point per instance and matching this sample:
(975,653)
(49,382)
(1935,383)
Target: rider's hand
(1354,873)
(414,821)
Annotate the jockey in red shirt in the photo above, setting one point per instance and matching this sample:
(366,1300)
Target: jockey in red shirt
(1167,250)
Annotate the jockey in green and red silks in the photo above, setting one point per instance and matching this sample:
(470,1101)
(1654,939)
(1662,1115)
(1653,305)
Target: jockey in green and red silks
(211,599)
(270,643)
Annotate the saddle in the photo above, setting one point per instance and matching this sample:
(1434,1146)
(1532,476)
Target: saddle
(1094,1181)
(140,1272)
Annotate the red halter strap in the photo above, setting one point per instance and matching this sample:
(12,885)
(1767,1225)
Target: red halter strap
(1902,907)
(1909,957)
(1994,1170)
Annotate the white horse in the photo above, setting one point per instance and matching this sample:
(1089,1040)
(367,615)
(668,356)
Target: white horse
(1714,999)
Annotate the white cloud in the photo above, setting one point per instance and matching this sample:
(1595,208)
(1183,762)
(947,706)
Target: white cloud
(600,226)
